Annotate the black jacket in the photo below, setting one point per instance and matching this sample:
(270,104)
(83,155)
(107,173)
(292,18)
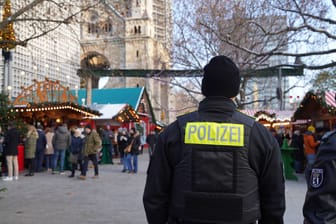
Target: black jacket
(320,202)
(12,140)
(264,157)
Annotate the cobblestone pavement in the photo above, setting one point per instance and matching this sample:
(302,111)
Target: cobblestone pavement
(114,198)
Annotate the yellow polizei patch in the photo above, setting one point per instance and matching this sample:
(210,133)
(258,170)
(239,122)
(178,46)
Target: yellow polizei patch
(212,133)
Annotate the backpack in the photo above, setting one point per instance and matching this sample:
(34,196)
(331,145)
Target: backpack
(320,203)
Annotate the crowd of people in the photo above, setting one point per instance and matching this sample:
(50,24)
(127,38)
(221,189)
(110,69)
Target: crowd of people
(305,141)
(47,148)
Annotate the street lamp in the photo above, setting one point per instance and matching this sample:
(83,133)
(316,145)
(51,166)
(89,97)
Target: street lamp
(47,68)
(22,73)
(76,90)
(68,80)
(35,72)
(9,89)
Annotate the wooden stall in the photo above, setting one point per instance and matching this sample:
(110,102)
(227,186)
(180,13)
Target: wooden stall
(48,102)
(319,108)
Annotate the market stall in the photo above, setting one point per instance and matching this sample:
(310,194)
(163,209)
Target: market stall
(318,109)
(48,102)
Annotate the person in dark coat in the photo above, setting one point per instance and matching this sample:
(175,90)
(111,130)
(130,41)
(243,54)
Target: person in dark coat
(122,143)
(76,152)
(41,144)
(11,143)
(320,201)
(216,165)
(151,141)
(2,155)
(297,143)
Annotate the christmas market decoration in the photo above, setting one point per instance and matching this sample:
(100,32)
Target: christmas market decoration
(271,118)
(8,114)
(7,35)
(127,114)
(49,100)
(317,106)
(265,115)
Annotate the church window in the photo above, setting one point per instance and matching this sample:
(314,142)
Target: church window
(139,29)
(137,53)
(135,30)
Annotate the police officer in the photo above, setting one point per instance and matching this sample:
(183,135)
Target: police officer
(215,165)
(320,203)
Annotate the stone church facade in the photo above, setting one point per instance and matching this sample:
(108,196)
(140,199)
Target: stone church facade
(131,34)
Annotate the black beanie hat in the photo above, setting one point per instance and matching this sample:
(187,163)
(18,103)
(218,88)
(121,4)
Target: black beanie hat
(221,78)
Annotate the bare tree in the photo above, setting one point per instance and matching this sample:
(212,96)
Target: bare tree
(255,34)
(324,81)
(42,17)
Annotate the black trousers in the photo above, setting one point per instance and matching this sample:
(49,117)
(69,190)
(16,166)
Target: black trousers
(93,158)
(30,165)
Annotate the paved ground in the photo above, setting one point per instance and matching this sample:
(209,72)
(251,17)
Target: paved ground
(113,198)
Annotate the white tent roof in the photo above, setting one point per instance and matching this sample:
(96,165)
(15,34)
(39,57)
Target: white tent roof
(108,110)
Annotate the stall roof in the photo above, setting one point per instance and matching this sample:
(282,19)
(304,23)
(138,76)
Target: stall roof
(270,115)
(50,99)
(118,112)
(131,96)
(316,106)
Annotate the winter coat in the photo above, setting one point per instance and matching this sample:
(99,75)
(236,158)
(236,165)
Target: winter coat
(30,144)
(49,148)
(61,139)
(168,172)
(76,145)
(92,143)
(11,142)
(135,150)
(122,142)
(2,139)
(309,143)
(41,142)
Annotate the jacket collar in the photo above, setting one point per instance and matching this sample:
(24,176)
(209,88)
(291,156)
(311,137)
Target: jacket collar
(217,104)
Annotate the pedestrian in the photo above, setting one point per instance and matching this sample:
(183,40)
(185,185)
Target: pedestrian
(76,149)
(216,165)
(61,142)
(151,141)
(49,152)
(297,143)
(107,136)
(41,145)
(30,149)
(310,145)
(135,150)
(277,136)
(2,155)
(11,143)
(320,202)
(122,143)
(92,144)
(114,138)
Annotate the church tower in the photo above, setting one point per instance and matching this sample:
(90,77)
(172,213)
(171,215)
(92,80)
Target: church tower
(131,34)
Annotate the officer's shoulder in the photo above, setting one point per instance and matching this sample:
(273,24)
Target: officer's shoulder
(184,118)
(328,141)
(244,118)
